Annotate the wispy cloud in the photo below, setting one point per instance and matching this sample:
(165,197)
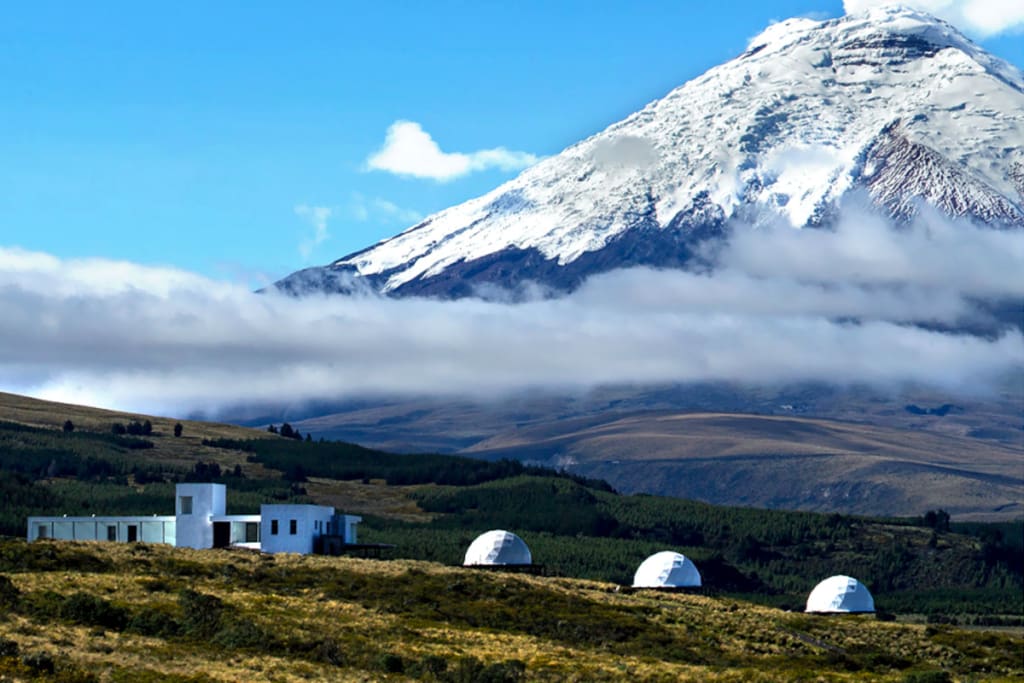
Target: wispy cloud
(778,308)
(981,17)
(410,151)
(317,216)
(377,210)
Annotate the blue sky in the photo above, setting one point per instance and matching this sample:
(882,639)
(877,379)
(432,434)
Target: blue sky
(215,137)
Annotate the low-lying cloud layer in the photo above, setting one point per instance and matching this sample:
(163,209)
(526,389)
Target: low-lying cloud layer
(782,305)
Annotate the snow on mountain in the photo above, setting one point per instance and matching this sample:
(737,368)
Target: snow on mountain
(891,101)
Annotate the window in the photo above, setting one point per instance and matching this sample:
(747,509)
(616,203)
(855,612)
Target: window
(43,531)
(112,532)
(293,526)
(273,527)
(185,505)
(252,532)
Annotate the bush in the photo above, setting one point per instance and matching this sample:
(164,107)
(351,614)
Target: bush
(40,662)
(154,623)
(927,677)
(241,633)
(201,613)
(430,667)
(330,652)
(472,670)
(391,663)
(9,593)
(8,648)
(83,608)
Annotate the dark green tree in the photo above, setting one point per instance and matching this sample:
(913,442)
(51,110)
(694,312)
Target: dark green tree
(69,426)
(178,429)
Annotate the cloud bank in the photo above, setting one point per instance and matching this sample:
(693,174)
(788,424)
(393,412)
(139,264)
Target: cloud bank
(410,151)
(980,17)
(783,305)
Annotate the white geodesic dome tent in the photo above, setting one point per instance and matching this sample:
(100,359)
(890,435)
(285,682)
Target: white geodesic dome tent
(497,547)
(840,594)
(667,570)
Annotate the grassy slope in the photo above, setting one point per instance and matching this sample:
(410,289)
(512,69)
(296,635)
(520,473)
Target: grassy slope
(116,612)
(751,460)
(790,552)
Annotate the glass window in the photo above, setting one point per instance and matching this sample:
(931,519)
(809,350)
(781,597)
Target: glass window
(43,531)
(185,505)
(112,532)
(273,527)
(252,532)
(293,526)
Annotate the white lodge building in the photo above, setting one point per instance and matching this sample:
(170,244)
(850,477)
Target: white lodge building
(200,522)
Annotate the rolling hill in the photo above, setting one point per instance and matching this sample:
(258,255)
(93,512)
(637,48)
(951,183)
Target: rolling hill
(779,462)
(153,613)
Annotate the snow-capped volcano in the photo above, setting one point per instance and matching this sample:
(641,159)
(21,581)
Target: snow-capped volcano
(892,102)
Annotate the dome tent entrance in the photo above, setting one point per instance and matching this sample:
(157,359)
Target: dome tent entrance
(497,548)
(667,569)
(840,595)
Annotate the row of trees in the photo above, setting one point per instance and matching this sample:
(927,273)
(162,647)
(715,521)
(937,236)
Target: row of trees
(135,428)
(289,432)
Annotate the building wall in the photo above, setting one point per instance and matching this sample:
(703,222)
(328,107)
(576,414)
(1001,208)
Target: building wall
(345,526)
(118,529)
(239,529)
(293,528)
(195,525)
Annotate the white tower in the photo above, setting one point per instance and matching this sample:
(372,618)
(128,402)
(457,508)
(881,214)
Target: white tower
(195,505)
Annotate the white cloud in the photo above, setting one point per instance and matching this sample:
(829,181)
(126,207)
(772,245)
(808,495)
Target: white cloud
(410,151)
(377,210)
(317,217)
(981,17)
(776,310)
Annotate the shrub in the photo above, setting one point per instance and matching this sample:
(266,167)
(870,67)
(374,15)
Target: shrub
(927,677)
(9,593)
(40,662)
(391,663)
(330,652)
(201,613)
(8,648)
(154,623)
(241,633)
(83,608)
(431,667)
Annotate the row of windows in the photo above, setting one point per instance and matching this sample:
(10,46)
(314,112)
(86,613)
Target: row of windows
(293,527)
(44,532)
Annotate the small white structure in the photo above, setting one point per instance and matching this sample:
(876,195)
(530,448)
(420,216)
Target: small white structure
(293,528)
(497,547)
(194,507)
(840,595)
(200,521)
(667,569)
